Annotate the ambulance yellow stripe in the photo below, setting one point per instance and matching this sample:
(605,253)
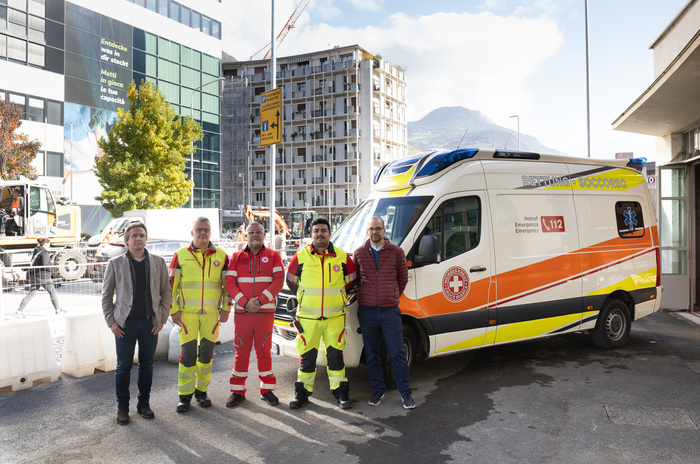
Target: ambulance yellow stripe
(643,280)
(536,328)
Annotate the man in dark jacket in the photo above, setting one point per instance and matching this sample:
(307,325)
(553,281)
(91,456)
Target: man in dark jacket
(382,277)
(40,276)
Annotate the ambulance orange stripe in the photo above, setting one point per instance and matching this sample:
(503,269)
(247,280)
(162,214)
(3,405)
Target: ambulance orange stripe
(541,276)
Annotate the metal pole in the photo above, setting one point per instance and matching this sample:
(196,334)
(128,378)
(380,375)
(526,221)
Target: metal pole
(72,170)
(200,122)
(518,118)
(588,94)
(273,147)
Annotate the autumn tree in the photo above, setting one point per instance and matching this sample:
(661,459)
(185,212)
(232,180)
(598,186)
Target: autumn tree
(17,151)
(143,165)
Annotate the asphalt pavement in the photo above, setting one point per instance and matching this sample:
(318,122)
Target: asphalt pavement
(556,400)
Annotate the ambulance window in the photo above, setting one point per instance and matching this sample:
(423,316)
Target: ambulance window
(457,226)
(630,221)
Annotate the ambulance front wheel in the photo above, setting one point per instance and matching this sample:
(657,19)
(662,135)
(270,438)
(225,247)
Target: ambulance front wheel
(613,327)
(410,347)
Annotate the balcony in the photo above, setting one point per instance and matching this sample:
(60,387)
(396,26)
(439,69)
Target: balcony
(299,181)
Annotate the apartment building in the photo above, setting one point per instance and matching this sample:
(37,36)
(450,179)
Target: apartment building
(68,63)
(344,115)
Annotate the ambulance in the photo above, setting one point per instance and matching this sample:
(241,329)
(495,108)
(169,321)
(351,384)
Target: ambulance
(504,246)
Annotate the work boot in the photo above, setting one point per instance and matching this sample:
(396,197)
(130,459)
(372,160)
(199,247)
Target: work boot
(301,396)
(122,416)
(145,410)
(202,398)
(270,398)
(184,404)
(234,400)
(342,395)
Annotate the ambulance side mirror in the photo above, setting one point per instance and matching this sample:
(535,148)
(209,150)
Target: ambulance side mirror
(427,250)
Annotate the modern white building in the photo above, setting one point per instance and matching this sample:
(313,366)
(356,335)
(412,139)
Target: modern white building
(670,110)
(344,115)
(68,64)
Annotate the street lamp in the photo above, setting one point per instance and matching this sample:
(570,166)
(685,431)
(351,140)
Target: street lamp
(200,122)
(518,117)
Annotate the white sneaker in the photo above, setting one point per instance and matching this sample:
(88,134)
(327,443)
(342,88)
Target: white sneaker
(19,314)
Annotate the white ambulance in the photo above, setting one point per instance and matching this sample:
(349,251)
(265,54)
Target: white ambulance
(505,246)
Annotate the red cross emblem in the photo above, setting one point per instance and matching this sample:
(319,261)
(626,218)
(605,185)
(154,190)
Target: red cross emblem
(455,284)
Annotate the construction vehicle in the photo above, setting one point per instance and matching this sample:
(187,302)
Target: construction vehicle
(300,230)
(38,215)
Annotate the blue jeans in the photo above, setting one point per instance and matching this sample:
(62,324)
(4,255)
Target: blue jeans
(135,331)
(375,322)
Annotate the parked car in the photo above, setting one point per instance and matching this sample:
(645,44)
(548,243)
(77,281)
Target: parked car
(163,248)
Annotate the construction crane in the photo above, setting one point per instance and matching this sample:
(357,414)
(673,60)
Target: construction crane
(285,30)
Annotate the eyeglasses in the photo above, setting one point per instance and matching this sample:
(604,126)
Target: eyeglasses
(375,229)
(256,232)
(202,231)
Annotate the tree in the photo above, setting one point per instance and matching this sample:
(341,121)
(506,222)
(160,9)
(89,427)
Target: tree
(144,160)
(17,151)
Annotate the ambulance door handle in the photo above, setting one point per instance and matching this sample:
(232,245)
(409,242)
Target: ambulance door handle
(478,269)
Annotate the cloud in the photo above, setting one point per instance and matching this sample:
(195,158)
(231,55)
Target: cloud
(472,60)
(478,61)
(369,5)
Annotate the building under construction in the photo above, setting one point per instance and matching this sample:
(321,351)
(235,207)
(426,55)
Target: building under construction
(344,115)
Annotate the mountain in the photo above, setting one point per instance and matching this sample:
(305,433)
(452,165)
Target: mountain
(444,128)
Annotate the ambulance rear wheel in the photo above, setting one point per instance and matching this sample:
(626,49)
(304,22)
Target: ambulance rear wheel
(410,347)
(613,327)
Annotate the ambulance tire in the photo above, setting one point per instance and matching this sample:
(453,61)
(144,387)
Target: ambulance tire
(613,327)
(410,347)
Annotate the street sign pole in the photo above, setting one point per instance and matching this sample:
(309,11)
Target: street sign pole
(273,147)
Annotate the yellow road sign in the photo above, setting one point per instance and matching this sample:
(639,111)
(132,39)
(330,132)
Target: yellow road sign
(271,117)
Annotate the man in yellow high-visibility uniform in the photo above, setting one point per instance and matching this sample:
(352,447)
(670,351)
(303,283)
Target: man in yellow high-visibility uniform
(199,304)
(321,275)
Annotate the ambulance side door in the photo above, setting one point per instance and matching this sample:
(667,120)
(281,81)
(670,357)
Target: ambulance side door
(455,290)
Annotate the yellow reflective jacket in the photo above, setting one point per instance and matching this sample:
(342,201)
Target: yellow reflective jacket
(197,280)
(321,281)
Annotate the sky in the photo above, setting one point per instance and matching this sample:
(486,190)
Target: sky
(498,57)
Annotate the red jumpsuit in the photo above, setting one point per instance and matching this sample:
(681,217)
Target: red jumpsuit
(251,276)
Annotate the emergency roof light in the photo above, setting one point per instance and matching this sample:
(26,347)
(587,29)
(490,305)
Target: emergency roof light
(442,161)
(637,162)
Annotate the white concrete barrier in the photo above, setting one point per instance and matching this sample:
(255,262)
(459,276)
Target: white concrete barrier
(226,331)
(163,347)
(89,345)
(27,357)
(174,346)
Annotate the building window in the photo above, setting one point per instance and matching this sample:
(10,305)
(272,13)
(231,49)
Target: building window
(16,50)
(36,110)
(54,112)
(175,11)
(54,164)
(185,16)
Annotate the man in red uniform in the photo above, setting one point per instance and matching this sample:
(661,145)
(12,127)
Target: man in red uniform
(254,278)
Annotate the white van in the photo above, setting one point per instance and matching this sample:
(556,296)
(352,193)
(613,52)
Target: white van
(505,246)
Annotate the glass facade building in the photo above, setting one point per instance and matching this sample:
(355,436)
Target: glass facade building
(77,59)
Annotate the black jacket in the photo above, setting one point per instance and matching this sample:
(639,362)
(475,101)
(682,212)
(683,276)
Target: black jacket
(39,274)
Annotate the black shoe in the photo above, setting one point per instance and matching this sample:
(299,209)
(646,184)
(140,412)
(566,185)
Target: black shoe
(234,400)
(145,410)
(202,398)
(270,398)
(122,416)
(301,396)
(184,404)
(342,395)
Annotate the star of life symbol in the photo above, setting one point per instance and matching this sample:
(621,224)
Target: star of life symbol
(455,284)
(630,218)
(336,268)
(216,263)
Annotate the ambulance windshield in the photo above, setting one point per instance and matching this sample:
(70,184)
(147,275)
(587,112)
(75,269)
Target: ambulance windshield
(399,215)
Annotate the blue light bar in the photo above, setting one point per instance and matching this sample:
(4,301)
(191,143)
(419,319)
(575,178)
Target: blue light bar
(445,160)
(379,172)
(637,162)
